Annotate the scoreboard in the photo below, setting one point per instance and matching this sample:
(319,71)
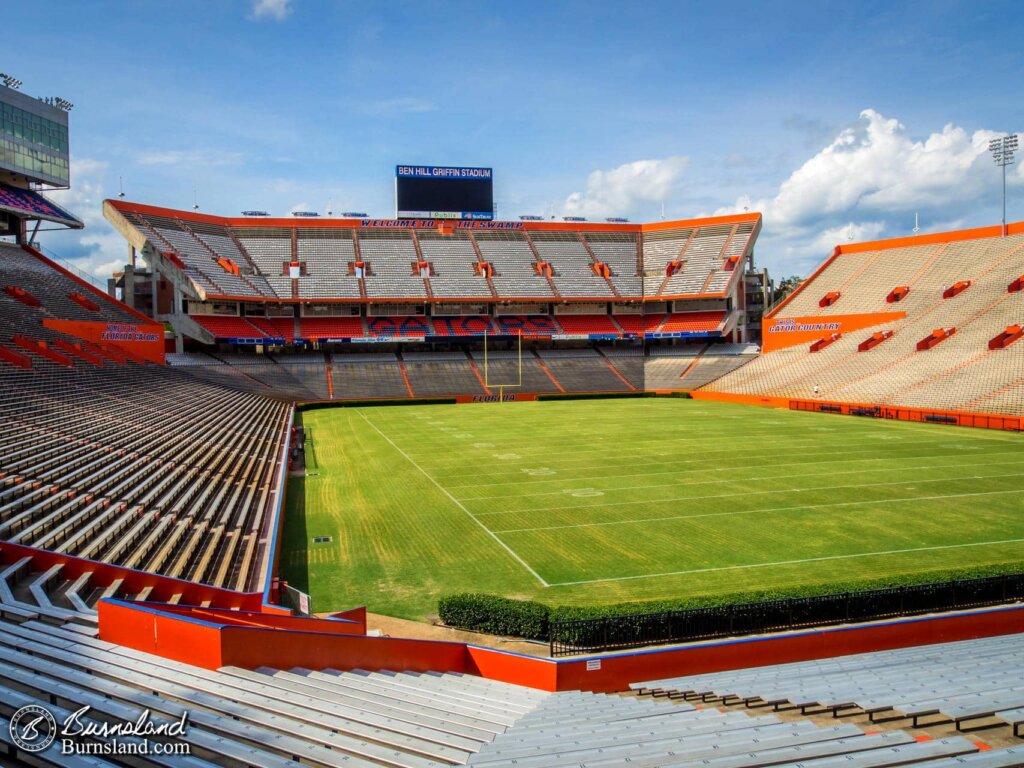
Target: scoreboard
(444,192)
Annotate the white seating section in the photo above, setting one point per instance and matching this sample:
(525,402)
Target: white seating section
(969,683)
(572,265)
(391,258)
(326,256)
(391,253)
(960,373)
(515,273)
(454,271)
(618,251)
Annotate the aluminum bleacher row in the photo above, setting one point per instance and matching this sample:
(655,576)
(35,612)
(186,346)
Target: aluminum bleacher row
(411,373)
(333,717)
(118,460)
(971,683)
(963,287)
(226,258)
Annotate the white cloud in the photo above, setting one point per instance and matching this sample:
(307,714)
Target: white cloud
(870,180)
(622,190)
(277,10)
(405,105)
(190,158)
(98,249)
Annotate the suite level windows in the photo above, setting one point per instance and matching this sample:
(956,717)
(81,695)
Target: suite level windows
(33,128)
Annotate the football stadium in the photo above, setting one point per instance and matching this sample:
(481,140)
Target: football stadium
(443,488)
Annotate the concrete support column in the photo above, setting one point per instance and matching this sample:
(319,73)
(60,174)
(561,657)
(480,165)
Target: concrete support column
(129,285)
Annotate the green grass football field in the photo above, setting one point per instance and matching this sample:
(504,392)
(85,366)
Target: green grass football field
(607,501)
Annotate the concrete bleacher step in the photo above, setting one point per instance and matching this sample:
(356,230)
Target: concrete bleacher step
(433,716)
(198,692)
(495,715)
(424,726)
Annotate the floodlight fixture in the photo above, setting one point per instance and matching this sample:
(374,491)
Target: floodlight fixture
(1002,149)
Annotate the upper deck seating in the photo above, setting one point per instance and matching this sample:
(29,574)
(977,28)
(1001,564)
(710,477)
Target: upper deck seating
(391,263)
(515,272)
(572,265)
(454,264)
(619,251)
(326,254)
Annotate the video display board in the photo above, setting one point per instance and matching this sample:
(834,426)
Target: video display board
(444,192)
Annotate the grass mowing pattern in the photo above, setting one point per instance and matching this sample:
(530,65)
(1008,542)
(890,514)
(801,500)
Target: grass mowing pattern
(596,502)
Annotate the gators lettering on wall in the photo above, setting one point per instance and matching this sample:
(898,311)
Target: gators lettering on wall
(779,333)
(146,341)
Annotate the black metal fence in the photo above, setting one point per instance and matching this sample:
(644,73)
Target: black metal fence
(619,632)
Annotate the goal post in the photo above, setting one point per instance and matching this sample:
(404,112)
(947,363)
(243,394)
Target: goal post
(519,368)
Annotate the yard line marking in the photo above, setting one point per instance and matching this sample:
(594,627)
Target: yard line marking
(732,468)
(455,501)
(871,449)
(870,442)
(745,493)
(760,511)
(734,480)
(790,562)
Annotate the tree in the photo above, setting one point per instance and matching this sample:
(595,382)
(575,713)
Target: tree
(786,286)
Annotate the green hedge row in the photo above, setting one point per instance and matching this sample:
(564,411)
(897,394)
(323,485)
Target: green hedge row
(530,619)
(495,615)
(316,405)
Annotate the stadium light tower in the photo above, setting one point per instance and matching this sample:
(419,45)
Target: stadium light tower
(1002,150)
(10,81)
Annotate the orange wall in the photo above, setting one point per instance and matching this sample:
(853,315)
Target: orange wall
(145,341)
(318,223)
(209,645)
(776,334)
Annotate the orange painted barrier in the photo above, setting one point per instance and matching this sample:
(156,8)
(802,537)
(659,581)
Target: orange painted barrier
(40,348)
(820,344)
(829,299)
(15,358)
(897,294)
(956,288)
(1007,337)
(874,340)
(142,341)
(83,301)
(900,413)
(20,294)
(937,336)
(780,333)
(219,639)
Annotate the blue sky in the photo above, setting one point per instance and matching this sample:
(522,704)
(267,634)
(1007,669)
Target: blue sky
(837,120)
